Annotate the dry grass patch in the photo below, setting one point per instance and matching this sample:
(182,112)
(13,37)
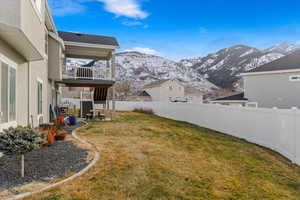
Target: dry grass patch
(148,157)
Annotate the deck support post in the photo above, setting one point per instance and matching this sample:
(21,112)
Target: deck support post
(113,75)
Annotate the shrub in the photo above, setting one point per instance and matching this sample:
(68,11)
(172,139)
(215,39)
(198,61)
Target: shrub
(148,111)
(19,141)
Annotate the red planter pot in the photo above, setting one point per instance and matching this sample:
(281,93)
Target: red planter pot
(60,137)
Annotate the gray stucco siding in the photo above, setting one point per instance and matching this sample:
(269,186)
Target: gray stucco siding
(273,90)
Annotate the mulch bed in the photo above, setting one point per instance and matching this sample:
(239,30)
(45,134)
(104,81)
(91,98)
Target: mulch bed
(43,165)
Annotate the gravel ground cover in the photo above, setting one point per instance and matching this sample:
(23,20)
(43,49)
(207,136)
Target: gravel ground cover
(43,165)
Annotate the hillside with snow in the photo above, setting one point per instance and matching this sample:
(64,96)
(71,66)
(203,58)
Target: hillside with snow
(223,67)
(144,69)
(220,69)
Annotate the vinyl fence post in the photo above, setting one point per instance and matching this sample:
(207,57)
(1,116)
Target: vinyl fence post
(295,109)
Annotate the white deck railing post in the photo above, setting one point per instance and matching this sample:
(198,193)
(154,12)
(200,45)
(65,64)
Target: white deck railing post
(75,72)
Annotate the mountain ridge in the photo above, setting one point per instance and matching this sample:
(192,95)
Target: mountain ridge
(207,73)
(222,67)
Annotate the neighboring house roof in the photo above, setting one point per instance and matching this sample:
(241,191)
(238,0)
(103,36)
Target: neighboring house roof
(289,62)
(236,97)
(157,83)
(144,94)
(88,38)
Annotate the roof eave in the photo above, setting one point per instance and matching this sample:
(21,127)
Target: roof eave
(229,101)
(50,19)
(91,45)
(269,72)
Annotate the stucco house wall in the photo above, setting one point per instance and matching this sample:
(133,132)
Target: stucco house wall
(28,73)
(9,55)
(170,89)
(194,98)
(273,90)
(39,73)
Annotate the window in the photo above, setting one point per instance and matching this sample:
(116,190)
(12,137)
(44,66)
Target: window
(12,94)
(46,43)
(40,97)
(295,78)
(8,93)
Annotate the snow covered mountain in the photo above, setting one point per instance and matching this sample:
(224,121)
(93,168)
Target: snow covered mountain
(222,67)
(215,70)
(144,69)
(283,48)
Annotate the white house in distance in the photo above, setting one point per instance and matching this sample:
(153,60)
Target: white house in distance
(193,95)
(172,90)
(276,84)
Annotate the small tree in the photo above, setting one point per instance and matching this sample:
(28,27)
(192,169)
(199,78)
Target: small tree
(19,141)
(124,88)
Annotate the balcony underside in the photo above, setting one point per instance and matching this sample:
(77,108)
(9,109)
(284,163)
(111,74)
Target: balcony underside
(87,46)
(87,52)
(19,42)
(86,83)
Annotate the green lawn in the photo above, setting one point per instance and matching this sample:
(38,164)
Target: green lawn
(147,157)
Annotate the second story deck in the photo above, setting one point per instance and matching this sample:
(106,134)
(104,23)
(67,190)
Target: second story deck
(85,46)
(82,72)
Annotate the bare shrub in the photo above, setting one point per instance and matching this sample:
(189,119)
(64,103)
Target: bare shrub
(147,111)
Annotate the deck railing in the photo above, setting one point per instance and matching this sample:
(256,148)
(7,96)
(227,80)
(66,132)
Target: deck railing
(87,73)
(84,73)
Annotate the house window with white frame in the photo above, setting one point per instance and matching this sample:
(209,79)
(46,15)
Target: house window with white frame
(40,97)
(8,93)
(46,43)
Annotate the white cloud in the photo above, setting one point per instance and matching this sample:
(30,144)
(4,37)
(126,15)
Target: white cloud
(144,50)
(127,8)
(66,7)
(134,23)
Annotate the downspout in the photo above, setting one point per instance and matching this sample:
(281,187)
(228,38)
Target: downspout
(28,95)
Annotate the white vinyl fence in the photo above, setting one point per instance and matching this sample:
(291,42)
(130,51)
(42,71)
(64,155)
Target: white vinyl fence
(277,129)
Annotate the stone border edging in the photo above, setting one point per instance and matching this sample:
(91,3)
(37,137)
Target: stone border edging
(96,158)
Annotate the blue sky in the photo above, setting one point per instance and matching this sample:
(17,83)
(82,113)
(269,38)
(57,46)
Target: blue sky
(178,29)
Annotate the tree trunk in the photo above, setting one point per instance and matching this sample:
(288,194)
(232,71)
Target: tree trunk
(22,165)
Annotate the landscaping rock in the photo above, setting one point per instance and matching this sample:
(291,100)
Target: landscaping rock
(43,165)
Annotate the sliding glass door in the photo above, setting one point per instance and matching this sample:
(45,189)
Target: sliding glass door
(4,93)
(12,94)
(7,94)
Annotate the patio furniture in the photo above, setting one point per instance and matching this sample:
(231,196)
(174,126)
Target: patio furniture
(63,110)
(72,120)
(89,116)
